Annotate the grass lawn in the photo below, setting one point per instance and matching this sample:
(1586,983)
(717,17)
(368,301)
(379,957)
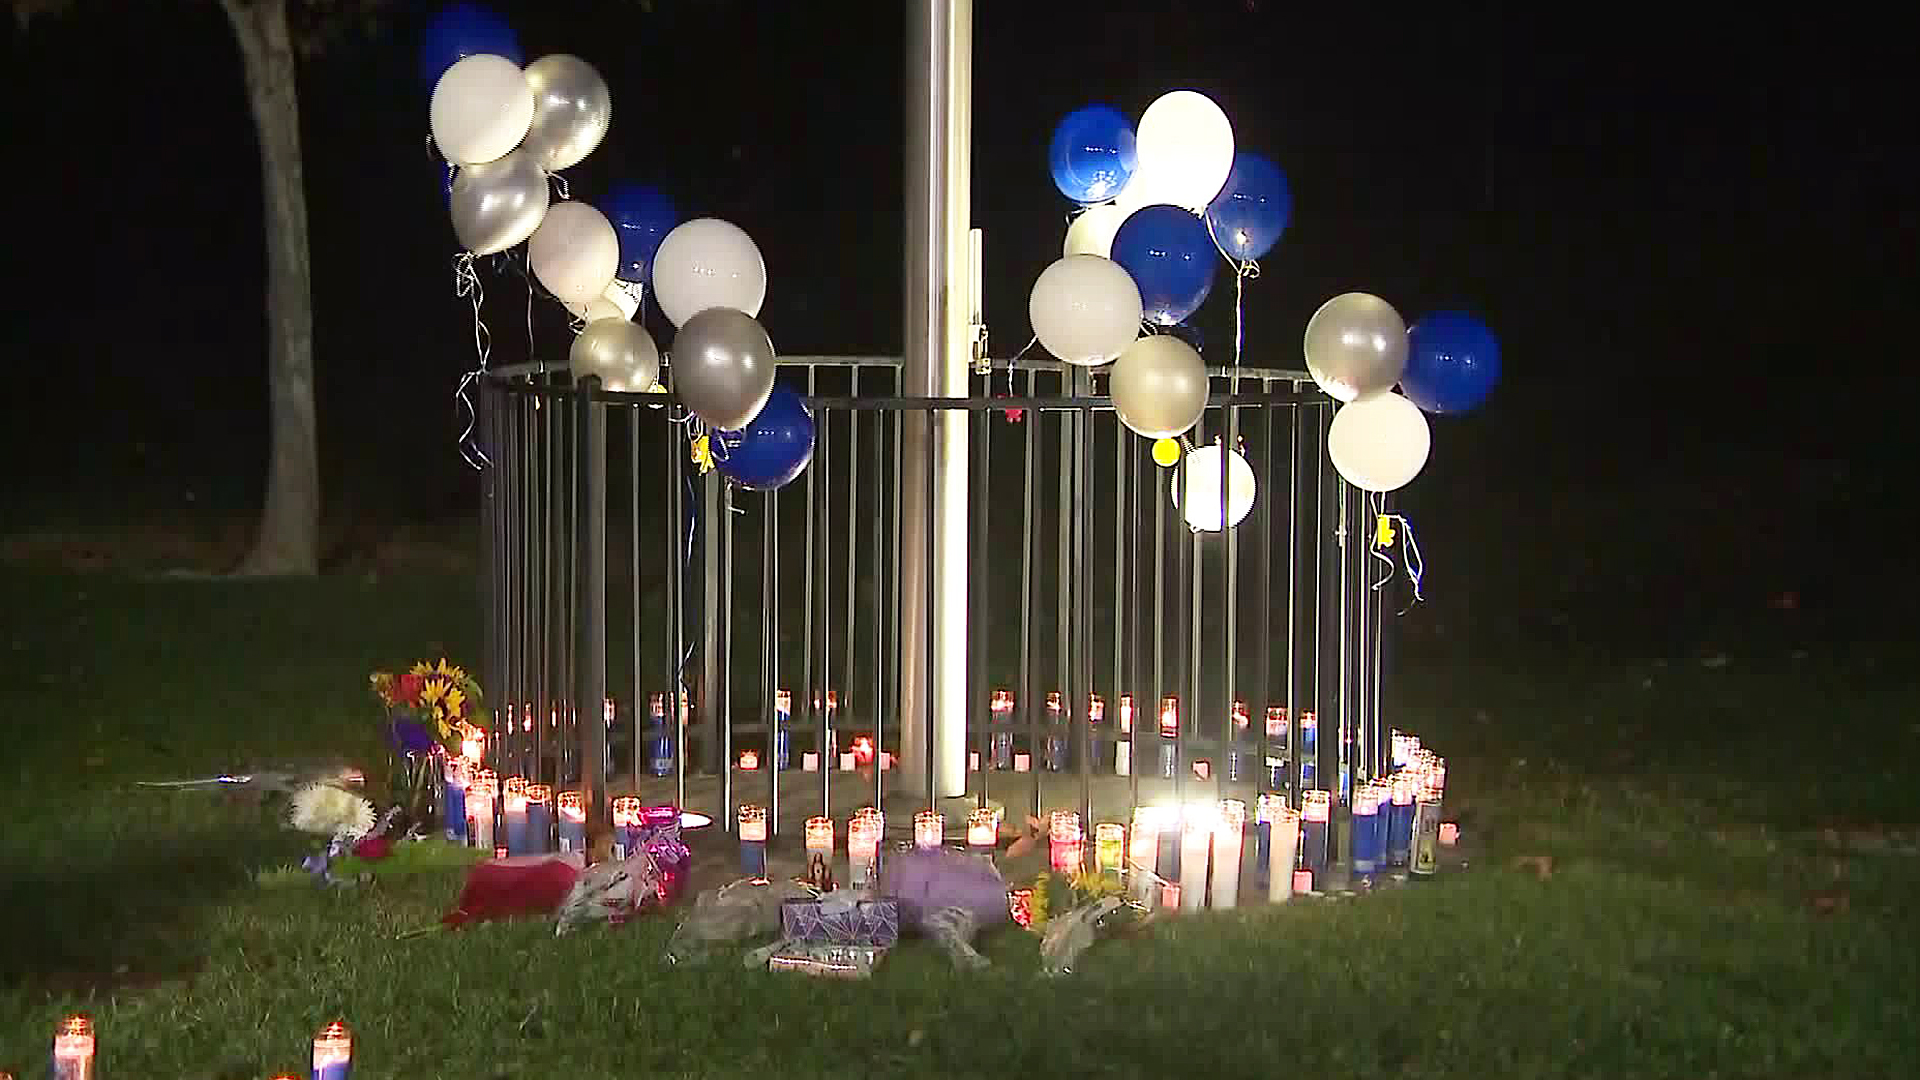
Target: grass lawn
(1731,891)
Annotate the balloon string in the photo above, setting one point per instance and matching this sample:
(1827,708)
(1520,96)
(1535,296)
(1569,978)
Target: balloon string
(466,285)
(560,187)
(1416,566)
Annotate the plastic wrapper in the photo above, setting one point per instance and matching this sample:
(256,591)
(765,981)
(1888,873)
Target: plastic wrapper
(827,961)
(609,892)
(737,911)
(1071,933)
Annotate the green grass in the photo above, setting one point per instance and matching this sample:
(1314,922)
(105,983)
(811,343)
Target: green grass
(1673,937)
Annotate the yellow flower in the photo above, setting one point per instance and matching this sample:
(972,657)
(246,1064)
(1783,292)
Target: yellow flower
(446,732)
(452,672)
(456,701)
(422,668)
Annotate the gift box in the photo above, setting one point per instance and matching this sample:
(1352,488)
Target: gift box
(839,918)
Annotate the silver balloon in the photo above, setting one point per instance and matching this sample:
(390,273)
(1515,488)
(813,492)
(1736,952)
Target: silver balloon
(571,111)
(1159,386)
(1356,345)
(618,351)
(498,204)
(723,367)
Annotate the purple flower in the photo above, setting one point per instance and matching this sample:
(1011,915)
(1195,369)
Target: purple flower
(410,736)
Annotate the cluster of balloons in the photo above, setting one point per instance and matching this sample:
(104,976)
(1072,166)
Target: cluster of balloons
(1358,349)
(504,130)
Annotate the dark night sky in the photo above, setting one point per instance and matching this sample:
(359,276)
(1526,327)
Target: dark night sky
(1690,238)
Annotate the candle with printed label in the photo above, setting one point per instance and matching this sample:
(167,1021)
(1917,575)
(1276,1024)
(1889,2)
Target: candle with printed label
(929,830)
(1169,730)
(1277,747)
(1281,882)
(1426,834)
(1316,818)
(659,737)
(1110,847)
(1196,844)
(570,808)
(1309,751)
(333,1052)
(482,790)
(74,1050)
(819,832)
(454,776)
(1399,811)
(1366,815)
(753,840)
(539,819)
(863,847)
(1228,840)
(1265,806)
(1241,720)
(513,813)
(626,826)
(782,725)
(1123,747)
(1064,842)
(1000,746)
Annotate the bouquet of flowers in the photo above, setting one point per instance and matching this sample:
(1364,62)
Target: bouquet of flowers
(431,708)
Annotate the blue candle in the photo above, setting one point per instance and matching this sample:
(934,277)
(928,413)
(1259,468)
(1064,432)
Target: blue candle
(626,826)
(1400,822)
(753,840)
(455,811)
(1366,835)
(333,1053)
(513,814)
(782,720)
(539,819)
(1316,814)
(659,740)
(571,807)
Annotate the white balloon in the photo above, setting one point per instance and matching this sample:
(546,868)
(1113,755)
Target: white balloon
(1184,144)
(481,109)
(1202,468)
(1092,232)
(1379,443)
(1355,346)
(615,303)
(708,263)
(1085,309)
(574,252)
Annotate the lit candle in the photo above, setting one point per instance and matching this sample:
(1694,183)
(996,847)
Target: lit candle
(1426,834)
(753,840)
(513,811)
(454,775)
(1022,762)
(1302,882)
(1203,769)
(1170,896)
(539,819)
(1228,842)
(73,1049)
(1401,747)
(1400,818)
(1065,853)
(1169,730)
(1196,843)
(832,711)
(1276,746)
(749,760)
(1123,748)
(863,750)
(482,788)
(863,847)
(571,807)
(660,737)
(1053,756)
(473,743)
(1000,748)
(626,826)
(847,761)
(333,1052)
(983,830)
(1265,807)
(1281,880)
(810,761)
(1143,846)
(1316,814)
(929,830)
(1364,842)
(1241,719)
(973,761)
(782,720)
(1109,847)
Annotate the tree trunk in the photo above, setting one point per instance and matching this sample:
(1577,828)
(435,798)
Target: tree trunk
(288,540)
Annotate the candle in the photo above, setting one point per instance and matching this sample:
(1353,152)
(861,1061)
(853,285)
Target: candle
(1309,734)
(1109,847)
(1064,850)
(1123,759)
(1000,750)
(753,840)
(863,847)
(1196,843)
(539,819)
(626,826)
(473,743)
(513,813)
(973,761)
(454,773)
(1170,895)
(847,761)
(570,808)
(482,788)
(886,760)
(1054,750)
(333,1052)
(1401,747)
(983,830)
(1143,845)
(1169,729)
(819,831)
(1282,882)
(1241,719)
(660,739)
(929,830)
(1228,843)
(749,760)
(782,720)
(1449,833)
(1426,834)
(1276,746)
(1316,814)
(862,750)
(1366,815)
(1265,807)
(1302,882)
(73,1049)
(1202,769)
(1399,812)
(1022,762)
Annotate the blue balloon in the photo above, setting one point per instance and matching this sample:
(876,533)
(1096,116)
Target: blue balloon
(773,449)
(1453,360)
(1167,251)
(1092,154)
(642,217)
(460,31)
(1251,211)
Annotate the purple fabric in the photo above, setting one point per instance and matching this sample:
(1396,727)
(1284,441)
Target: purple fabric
(926,881)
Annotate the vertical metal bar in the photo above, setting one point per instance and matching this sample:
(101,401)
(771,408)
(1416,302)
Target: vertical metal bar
(1152,709)
(1230,536)
(770,619)
(637,694)
(978,656)
(676,571)
(1120,605)
(809,714)
(1295,688)
(590,606)
(823,462)
(907,589)
(1267,493)
(931,698)
(1033,421)
(1079,706)
(877,704)
(725,615)
(1065,514)
(714,620)
(828,743)
(1140,747)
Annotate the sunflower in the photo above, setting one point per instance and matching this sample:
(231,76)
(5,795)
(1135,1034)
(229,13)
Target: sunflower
(450,671)
(421,667)
(456,700)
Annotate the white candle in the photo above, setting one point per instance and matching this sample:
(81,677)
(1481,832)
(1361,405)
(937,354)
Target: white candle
(73,1049)
(1281,848)
(846,761)
(1196,843)
(1227,843)
(513,813)
(1022,762)
(810,761)
(481,787)
(929,830)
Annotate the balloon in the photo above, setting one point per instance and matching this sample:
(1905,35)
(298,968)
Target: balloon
(1092,232)
(615,303)
(1251,211)
(1166,453)
(643,216)
(620,352)
(1203,489)
(1356,345)
(1379,443)
(723,366)
(460,31)
(481,109)
(774,448)
(571,110)
(1170,257)
(1185,148)
(1091,154)
(1084,309)
(574,253)
(1453,360)
(499,204)
(708,263)
(1159,386)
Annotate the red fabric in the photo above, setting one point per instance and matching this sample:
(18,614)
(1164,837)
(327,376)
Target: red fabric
(377,846)
(500,890)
